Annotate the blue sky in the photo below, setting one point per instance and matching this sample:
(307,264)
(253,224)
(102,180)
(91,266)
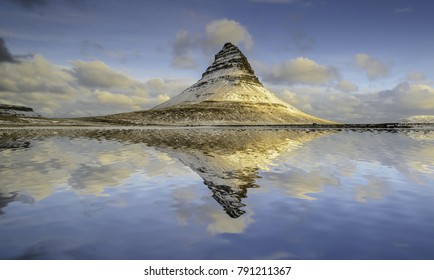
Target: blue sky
(348,61)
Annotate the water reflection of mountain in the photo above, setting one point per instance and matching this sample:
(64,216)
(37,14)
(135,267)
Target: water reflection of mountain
(228,160)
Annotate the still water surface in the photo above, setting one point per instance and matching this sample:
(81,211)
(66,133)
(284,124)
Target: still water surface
(216,194)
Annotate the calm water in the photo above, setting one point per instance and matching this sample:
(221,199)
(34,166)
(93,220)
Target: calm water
(216,194)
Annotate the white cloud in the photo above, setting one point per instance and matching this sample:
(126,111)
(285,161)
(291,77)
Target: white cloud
(374,68)
(415,97)
(86,88)
(35,75)
(338,104)
(39,84)
(221,31)
(130,102)
(327,103)
(100,75)
(158,88)
(300,70)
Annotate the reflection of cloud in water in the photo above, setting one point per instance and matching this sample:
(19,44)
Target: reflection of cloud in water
(425,150)
(221,223)
(93,179)
(369,162)
(36,171)
(228,160)
(299,183)
(191,209)
(87,166)
(375,189)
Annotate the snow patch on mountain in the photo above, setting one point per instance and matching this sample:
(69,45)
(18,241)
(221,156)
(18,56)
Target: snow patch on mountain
(219,89)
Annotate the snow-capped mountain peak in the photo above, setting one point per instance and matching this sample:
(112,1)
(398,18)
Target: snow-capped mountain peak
(230,78)
(230,63)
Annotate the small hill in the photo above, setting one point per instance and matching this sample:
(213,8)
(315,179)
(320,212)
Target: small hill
(17,111)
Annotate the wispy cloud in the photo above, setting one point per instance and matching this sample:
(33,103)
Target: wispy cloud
(300,70)
(225,30)
(410,97)
(374,68)
(403,10)
(93,50)
(97,74)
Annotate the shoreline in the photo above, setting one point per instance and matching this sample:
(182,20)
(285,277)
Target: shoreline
(92,123)
(382,126)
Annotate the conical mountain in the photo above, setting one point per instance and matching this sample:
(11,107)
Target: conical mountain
(229,79)
(228,93)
